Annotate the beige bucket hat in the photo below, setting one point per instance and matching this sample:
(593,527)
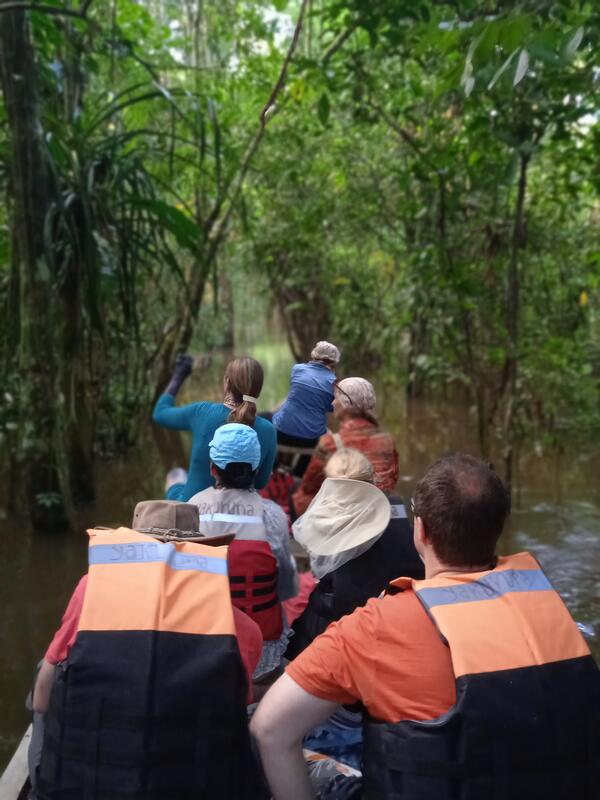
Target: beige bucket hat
(343,515)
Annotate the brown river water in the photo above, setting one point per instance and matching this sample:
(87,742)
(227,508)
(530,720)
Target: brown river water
(556,516)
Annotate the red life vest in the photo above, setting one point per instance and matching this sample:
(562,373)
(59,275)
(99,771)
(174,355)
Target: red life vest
(252,566)
(151,701)
(526,723)
(279,489)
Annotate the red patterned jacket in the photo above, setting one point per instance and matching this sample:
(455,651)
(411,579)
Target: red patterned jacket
(362,435)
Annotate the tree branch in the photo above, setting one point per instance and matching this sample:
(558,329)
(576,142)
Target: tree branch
(338,42)
(220,223)
(45,9)
(217,221)
(403,134)
(289,55)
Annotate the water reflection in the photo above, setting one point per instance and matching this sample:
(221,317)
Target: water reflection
(38,576)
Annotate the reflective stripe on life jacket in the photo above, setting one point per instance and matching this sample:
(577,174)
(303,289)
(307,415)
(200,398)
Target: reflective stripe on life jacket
(151,703)
(526,723)
(252,566)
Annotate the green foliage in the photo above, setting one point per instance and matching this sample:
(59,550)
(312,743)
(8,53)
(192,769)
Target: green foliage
(396,170)
(381,209)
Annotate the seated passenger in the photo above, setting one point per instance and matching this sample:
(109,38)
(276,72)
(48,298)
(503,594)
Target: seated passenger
(142,691)
(262,571)
(475,682)
(242,385)
(358,541)
(302,417)
(354,409)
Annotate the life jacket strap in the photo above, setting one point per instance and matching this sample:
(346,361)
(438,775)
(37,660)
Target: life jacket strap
(270,577)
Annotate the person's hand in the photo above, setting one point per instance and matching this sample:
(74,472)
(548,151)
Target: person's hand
(183,366)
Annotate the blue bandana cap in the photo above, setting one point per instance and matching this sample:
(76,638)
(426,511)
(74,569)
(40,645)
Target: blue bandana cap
(235,444)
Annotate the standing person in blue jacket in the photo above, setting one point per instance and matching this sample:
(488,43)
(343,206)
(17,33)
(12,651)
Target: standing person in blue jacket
(301,420)
(242,385)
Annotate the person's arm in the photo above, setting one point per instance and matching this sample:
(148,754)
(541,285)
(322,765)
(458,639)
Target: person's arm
(314,475)
(278,536)
(250,643)
(338,667)
(284,715)
(43,687)
(59,649)
(395,466)
(388,460)
(333,381)
(165,413)
(268,447)
(183,368)
(168,415)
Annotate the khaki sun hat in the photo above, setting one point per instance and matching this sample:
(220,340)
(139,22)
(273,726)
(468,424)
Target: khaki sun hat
(344,514)
(171,518)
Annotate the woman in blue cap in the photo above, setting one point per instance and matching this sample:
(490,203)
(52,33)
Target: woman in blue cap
(262,571)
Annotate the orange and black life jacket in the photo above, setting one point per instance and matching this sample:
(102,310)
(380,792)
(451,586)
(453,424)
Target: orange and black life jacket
(526,723)
(151,702)
(252,566)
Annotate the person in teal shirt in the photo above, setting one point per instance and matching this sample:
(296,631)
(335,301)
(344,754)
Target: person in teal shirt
(242,383)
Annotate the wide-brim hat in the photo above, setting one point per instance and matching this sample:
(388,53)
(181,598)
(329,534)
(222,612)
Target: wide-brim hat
(344,514)
(173,519)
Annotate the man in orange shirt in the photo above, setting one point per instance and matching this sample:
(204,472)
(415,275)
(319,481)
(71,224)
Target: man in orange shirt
(486,639)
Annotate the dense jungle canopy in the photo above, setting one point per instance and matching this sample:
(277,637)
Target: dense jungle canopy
(417,180)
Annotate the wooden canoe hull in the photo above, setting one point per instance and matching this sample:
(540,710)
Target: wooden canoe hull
(14,781)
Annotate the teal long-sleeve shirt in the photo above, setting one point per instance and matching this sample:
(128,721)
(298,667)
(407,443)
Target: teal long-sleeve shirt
(202,420)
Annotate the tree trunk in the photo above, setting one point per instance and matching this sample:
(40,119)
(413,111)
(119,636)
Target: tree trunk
(74,406)
(30,189)
(512,322)
(415,385)
(74,415)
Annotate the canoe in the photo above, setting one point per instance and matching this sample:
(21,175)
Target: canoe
(14,781)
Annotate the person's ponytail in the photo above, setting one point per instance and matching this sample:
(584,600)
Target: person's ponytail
(245,414)
(244,380)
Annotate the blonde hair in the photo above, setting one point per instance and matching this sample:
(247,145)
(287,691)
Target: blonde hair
(350,463)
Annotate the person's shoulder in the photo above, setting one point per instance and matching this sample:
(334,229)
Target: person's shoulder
(388,620)
(264,426)
(79,590)
(197,498)
(327,442)
(399,608)
(275,516)
(213,413)
(210,406)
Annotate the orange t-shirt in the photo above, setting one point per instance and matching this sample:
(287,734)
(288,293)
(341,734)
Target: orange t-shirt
(387,654)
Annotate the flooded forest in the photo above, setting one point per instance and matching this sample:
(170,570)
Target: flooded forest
(416,181)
